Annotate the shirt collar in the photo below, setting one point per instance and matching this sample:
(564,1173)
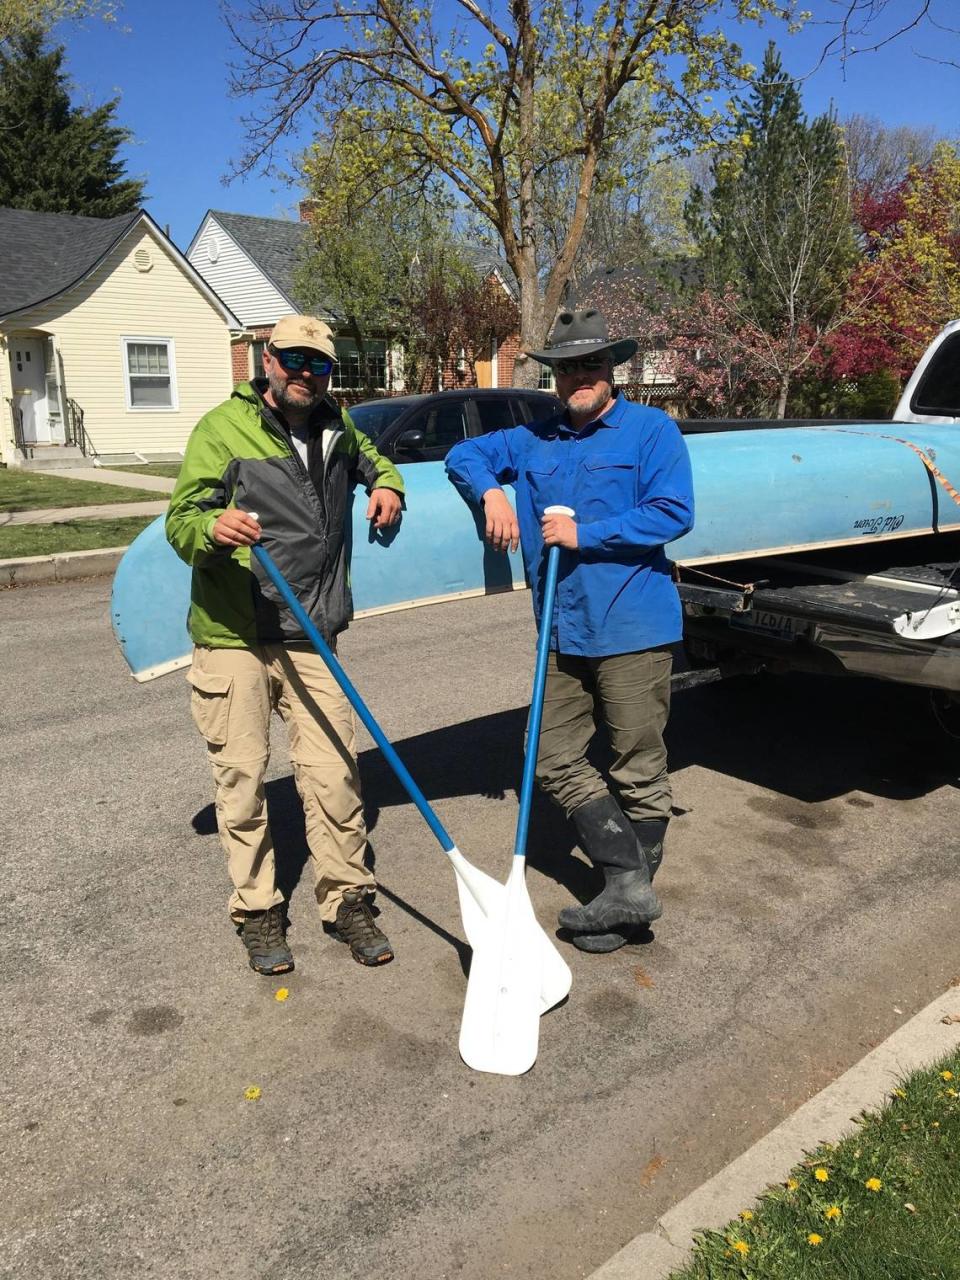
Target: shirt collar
(610,419)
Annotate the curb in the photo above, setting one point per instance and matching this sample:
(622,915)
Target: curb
(826,1117)
(60,567)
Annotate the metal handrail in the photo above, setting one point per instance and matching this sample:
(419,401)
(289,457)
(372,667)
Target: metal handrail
(16,413)
(74,430)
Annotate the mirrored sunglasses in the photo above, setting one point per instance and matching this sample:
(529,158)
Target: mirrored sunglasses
(296,361)
(589,364)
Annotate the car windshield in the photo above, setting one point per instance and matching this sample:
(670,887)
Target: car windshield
(376,415)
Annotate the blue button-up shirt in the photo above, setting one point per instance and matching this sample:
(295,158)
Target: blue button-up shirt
(627,477)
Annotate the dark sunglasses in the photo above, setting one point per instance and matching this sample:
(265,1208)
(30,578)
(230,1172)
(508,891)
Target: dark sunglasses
(295,361)
(589,364)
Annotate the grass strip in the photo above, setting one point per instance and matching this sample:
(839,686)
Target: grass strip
(882,1204)
(170,469)
(29,491)
(69,535)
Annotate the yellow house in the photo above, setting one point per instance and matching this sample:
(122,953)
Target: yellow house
(111,344)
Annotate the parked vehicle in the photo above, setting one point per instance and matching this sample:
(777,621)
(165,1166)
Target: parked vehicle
(424,428)
(886,607)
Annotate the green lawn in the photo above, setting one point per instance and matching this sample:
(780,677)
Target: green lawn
(70,535)
(29,491)
(171,469)
(883,1204)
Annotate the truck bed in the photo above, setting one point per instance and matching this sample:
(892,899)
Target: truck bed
(842,612)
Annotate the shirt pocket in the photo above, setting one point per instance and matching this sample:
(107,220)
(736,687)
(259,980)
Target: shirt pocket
(543,483)
(607,486)
(210,704)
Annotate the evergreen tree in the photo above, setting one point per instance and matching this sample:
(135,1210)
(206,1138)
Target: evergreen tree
(775,232)
(54,157)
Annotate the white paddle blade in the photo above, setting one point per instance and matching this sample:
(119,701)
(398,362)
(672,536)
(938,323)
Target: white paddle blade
(500,1030)
(482,898)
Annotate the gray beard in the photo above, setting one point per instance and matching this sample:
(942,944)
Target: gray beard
(278,389)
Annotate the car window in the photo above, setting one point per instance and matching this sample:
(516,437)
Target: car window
(535,410)
(494,415)
(372,418)
(442,425)
(938,391)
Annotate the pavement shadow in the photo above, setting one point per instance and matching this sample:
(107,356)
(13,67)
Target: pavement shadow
(806,737)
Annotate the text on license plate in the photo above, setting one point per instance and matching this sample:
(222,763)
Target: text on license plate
(774,624)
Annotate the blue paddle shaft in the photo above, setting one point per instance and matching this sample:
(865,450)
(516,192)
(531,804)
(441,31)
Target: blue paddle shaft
(343,680)
(536,701)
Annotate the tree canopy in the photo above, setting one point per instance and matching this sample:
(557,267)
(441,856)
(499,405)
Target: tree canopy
(502,106)
(55,157)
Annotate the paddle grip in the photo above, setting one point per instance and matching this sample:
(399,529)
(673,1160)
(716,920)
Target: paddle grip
(353,697)
(539,680)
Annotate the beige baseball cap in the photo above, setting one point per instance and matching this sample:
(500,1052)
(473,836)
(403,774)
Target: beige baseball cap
(303,331)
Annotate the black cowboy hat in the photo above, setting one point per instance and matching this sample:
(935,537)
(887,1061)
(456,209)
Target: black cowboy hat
(583,333)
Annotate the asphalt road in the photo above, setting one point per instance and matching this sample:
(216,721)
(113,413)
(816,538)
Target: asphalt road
(811,906)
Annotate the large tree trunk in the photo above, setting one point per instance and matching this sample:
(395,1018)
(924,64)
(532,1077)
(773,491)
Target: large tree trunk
(534,327)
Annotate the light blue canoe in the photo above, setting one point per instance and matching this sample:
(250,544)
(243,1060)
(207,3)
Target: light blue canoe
(762,492)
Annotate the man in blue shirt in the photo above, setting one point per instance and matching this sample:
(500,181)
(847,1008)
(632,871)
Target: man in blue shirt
(623,468)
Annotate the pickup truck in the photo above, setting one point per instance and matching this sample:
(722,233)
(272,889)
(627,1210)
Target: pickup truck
(889,609)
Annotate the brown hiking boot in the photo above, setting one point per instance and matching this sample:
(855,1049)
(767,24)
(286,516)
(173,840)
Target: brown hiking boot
(356,927)
(264,934)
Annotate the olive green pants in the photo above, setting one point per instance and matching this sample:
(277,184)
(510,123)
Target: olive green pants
(235,691)
(628,694)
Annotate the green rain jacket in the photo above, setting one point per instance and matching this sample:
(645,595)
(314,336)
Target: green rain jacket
(241,455)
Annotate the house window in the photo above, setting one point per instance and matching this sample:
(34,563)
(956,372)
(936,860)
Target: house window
(150,373)
(347,372)
(546,382)
(256,351)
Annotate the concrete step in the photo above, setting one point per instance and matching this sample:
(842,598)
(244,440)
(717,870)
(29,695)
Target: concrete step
(52,457)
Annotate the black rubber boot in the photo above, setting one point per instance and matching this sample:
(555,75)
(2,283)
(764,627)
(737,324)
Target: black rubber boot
(627,899)
(650,833)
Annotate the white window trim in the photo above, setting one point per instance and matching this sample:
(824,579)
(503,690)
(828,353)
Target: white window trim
(174,405)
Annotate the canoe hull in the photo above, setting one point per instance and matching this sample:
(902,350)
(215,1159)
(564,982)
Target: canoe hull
(758,493)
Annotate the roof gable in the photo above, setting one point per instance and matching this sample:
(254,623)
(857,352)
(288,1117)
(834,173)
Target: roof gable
(277,246)
(43,254)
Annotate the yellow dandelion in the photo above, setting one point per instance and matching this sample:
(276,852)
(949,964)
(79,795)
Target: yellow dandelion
(281,994)
(952,1093)
(746,1215)
(934,1124)
(946,1075)
(899,1093)
(821,1175)
(873,1184)
(792,1184)
(742,1248)
(252,1092)
(832,1212)
(814,1239)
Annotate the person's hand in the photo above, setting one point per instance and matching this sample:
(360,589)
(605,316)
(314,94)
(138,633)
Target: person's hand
(384,508)
(559,531)
(236,528)
(502,530)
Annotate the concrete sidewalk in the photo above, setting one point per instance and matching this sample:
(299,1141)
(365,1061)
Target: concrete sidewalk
(125,479)
(104,511)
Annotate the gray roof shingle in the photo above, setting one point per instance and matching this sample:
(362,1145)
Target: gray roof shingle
(278,246)
(43,254)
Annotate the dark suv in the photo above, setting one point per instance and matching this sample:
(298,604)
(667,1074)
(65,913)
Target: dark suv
(423,428)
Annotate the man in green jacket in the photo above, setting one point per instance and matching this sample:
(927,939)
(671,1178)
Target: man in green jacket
(276,464)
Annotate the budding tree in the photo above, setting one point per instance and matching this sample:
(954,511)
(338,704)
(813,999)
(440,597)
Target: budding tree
(495,101)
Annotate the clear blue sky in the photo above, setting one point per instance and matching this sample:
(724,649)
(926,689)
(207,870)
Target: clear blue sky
(169,63)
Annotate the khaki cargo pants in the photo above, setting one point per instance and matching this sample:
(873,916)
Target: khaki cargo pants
(234,693)
(628,694)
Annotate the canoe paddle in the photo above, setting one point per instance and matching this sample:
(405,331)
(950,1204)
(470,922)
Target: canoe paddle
(500,1029)
(481,897)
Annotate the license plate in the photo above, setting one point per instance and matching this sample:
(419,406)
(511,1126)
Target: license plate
(780,625)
